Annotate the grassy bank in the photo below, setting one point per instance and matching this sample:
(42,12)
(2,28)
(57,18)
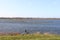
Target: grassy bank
(31,37)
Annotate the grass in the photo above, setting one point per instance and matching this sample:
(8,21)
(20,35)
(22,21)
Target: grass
(30,37)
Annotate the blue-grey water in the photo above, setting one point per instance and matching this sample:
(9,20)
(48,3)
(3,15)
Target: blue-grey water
(52,26)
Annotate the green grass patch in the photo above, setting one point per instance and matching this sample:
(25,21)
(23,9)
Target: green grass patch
(30,37)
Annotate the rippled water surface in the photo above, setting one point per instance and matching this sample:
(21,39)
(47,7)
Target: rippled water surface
(52,26)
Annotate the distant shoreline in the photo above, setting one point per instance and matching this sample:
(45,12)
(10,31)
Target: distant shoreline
(29,18)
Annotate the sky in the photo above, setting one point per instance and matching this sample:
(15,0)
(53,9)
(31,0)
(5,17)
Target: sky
(30,8)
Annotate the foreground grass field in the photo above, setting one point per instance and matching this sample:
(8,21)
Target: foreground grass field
(31,37)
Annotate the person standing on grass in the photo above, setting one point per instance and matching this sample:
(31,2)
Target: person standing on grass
(26,31)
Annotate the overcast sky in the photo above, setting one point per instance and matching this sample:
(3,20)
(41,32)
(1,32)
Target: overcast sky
(30,8)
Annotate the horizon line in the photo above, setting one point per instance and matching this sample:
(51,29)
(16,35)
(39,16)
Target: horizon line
(28,17)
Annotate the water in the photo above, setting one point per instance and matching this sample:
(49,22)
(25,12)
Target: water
(52,26)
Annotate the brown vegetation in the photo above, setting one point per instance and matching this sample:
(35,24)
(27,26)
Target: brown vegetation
(11,33)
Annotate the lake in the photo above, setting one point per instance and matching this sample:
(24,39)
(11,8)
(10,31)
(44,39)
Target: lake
(52,26)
